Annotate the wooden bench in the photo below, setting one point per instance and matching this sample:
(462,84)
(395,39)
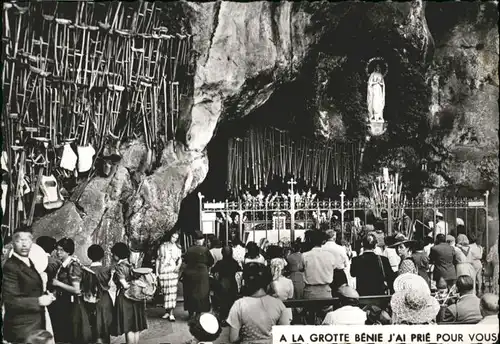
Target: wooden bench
(381,301)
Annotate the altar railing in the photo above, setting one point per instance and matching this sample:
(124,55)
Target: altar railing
(257,219)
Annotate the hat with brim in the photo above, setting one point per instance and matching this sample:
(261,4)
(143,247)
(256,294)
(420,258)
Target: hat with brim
(409,281)
(401,240)
(198,235)
(439,214)
(414,307)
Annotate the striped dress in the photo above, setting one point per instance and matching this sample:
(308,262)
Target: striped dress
(169,256)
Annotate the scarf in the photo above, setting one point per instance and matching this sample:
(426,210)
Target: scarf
(277,266)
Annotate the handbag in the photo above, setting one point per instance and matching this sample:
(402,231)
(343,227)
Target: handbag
(386,291)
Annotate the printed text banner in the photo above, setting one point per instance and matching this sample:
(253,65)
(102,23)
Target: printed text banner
(396,334)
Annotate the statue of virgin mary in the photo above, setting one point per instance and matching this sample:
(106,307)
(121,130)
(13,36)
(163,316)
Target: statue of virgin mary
(376,95)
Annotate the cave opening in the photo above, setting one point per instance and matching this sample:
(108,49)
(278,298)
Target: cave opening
(293,107)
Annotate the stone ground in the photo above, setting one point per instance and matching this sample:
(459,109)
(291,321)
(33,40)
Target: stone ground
(162,331)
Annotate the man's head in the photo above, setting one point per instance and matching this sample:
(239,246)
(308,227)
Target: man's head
(440,238)
(331,235)
(348,296)
(489,304)
(465,284)
(22,241)
(369,242)
(316,238)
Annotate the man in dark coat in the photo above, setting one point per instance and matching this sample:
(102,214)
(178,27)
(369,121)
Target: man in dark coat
(373,273)
(22,291)
(443,257)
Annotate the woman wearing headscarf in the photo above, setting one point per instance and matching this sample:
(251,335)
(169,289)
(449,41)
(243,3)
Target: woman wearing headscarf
(70,321)
(195,278)
(168,265)
(464,258)
(281,287)
(252,317)
(129,315)
(226,291)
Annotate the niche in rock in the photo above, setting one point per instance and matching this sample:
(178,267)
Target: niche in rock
(340,80)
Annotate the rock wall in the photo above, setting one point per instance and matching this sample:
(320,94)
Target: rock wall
(246,51)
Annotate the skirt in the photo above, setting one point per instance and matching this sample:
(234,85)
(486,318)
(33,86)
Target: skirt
(70,321)
(101,317)
(196,285)
(129,316)
(168,285)
(297,278)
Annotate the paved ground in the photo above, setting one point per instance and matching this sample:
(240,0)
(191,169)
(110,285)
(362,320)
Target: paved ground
(162,331)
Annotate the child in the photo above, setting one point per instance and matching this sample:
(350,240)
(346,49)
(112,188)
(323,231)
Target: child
(95,286)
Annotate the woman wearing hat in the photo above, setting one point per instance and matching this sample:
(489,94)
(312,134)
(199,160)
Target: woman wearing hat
(195,278)
(404,249)
(414,306)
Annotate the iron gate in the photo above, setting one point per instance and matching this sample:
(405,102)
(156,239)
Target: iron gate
(274,219)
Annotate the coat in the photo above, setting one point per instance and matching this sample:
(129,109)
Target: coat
(369,276)
(21,288)
(443,257)
(195,279)
(465,311)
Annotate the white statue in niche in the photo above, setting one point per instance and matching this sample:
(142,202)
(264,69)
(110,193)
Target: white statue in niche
(376,90)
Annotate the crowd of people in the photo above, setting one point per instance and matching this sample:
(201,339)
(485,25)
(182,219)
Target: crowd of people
(246,287)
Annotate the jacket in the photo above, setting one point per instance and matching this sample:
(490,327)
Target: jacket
(369,276)
(465,311)
(443,257)
(21,288)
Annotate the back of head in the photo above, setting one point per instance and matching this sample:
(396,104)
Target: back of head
(252,250)
(274,251)
(256,276)
(465,284)
(489,304)
(47,243)
(440,238)
(462,240)
(316,238)
(120,250)
(215,243)
(348,296)
(428,240)
(95,253)
(450,239)
(227,252)
(472,238)
(419,245)
(369,242)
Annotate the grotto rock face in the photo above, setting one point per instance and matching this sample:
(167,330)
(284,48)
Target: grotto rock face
(128,206)
(464,82)
(245,51)
(442,80)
